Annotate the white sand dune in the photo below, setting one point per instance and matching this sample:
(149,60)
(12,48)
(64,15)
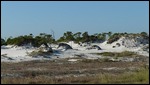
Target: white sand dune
(11,53)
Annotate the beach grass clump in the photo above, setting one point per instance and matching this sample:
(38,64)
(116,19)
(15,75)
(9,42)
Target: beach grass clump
(39,53)
(118,54)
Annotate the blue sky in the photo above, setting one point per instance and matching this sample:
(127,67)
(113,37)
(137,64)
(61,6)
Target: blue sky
(25,17)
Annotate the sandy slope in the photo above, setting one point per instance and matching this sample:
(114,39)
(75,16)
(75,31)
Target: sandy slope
(16,54)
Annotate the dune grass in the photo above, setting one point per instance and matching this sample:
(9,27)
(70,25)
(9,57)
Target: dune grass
(118,54)
(39,53)
(137,77)
(81,72)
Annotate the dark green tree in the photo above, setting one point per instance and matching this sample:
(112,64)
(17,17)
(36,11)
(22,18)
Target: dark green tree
(77,37)
(2,42)
(85,37)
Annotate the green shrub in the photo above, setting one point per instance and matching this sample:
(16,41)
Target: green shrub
(113,38)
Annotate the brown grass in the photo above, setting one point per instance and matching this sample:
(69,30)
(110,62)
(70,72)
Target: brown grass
(61,71)
(119,54)
(140,77)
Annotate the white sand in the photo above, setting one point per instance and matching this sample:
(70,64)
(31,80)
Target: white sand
(18,54)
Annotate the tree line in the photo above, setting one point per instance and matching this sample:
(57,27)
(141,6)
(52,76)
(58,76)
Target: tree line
(78,37)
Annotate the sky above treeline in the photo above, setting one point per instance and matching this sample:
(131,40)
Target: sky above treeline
(25,17)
